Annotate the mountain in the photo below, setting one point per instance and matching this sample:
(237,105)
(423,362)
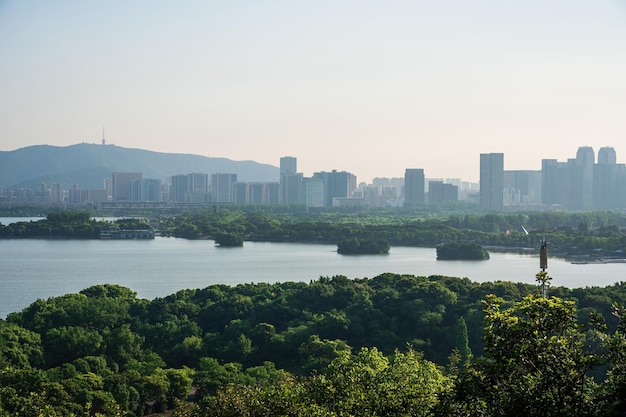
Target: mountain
(88,164)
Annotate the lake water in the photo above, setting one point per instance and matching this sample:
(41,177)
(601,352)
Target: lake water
(40,268)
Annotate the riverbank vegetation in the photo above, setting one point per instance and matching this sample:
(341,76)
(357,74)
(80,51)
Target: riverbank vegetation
(389,345)
(67,225)
(592,235)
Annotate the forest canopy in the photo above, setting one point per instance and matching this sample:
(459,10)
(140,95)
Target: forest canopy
(398,344)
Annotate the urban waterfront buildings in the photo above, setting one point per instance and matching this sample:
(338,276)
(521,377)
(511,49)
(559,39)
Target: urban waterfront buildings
(584,182)
(122,185)
(492,181)
(414,186)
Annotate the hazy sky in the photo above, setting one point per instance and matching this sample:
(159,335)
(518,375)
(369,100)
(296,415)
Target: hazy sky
(370,87)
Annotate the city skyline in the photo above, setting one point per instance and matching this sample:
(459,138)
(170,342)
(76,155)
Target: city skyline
(368,87)
(584,182)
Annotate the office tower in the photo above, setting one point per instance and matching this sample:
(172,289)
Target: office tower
(222,187)
(260,193)
(197,188)
(583,178)
(78,196)
(291,188)
(313,192)
(290,181)
(136,190)
(197,182)
(108,186)
(606,156)
(151,190)
(273,192)
(56,193)
(522,187)
(121,185)
(491,181)
(336,185)
(605,180)
(440,192)
(555,183)
(178,188)
(240,193)
(414,186)
(288,165)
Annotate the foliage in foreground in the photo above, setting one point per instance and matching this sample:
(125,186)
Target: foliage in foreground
(334,347)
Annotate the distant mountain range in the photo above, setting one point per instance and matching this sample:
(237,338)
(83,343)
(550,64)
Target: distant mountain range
(88,164)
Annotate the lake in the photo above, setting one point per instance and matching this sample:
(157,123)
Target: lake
(41,268)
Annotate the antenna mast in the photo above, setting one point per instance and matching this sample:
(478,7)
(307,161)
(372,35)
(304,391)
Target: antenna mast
(542,277)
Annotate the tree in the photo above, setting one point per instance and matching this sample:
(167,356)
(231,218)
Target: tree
(614,395)
(226,239)
(19,347)
(534,362)
(368,383)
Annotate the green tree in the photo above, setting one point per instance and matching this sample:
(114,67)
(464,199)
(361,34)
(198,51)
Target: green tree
(534,362)
(368,384)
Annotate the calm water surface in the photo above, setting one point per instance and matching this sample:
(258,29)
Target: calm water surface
(39,268)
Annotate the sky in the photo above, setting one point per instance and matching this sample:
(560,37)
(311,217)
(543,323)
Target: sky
(369,87)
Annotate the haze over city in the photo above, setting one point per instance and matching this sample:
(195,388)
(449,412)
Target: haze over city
(367,87)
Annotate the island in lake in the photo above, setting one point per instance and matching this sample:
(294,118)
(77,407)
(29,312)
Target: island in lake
(356,246)
(461,251)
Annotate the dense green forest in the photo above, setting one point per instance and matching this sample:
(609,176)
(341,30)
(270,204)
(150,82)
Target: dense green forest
(388,345)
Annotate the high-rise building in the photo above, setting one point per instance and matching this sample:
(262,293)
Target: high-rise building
(336,184)
(56,193)
(522,187)
(492,181)
(260,193)
(313,192)
(290,181)
(151,190)
(197,182)
(414,185)
(583,182)
(178,188)
(556,183)
(189,188)
(240,193)
(606,156)
(288,165)
(121,185)
(291,188)
(605,180)
(273,192)
(222,187)
(440,192)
